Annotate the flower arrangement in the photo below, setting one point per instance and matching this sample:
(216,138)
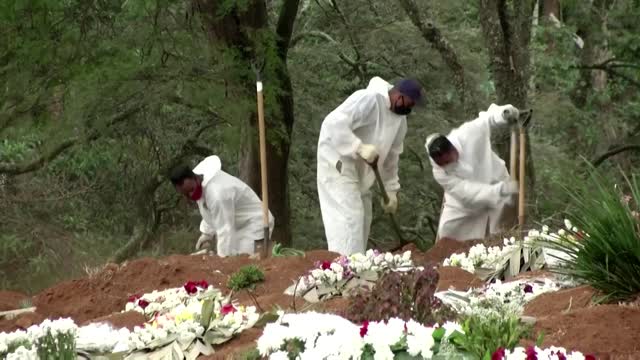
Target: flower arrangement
(482,257)
(337,277)
(323,336)
(159,302)
(48,340)
(503,298)
(532,352)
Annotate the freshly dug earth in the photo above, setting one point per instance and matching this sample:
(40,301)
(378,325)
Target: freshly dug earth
(607,331)
(559,302)
(566,317)
(11,300)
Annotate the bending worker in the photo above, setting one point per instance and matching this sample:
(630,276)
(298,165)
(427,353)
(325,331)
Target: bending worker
(231,211)
(476,182)
(368,127)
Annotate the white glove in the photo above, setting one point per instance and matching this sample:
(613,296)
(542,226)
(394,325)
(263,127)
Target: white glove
(206,241)
(509,187)
(392,205)
(511,114)
(368,152)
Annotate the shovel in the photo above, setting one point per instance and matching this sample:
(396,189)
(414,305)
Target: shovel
(525,117)
(385,197)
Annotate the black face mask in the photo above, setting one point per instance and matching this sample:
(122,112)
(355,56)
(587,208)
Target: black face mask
(401,109)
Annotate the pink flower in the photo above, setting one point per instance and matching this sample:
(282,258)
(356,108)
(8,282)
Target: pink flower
(228,308)
(191,287)
(143,303)
(528,288)
(531,353)
(364,328)
(133,298)
(498,354)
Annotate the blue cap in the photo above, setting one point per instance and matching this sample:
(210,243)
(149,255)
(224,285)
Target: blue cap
(412,89)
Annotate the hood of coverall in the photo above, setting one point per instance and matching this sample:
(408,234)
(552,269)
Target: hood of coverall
(208,168)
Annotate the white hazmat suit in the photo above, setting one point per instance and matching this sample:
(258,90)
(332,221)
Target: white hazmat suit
(477,187)
(231,211)
(344,179)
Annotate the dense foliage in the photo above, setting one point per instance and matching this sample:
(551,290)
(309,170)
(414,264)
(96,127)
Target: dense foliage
(99,98)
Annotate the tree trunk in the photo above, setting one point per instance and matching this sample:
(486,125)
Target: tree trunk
(592,29)
(237,29)
(507,33)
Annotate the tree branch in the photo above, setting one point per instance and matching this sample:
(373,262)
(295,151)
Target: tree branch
(43,159)
(433,36)
(327,37)
(284,29)
(598,160)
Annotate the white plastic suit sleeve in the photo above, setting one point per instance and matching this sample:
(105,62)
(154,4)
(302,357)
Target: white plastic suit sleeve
(353,114)
(206,228)
(472,195)
(502,174)
(389,173)
(223,219)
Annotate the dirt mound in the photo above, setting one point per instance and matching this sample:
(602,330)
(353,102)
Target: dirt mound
(11,300)
(457,279)
(106,291)
(441,250)
(560,301)
(607,331)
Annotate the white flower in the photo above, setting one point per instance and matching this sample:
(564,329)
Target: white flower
(337,268)
(450,327)
(279,355)
(406,256)
(567,224)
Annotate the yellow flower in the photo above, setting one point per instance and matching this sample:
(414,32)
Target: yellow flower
(184,316)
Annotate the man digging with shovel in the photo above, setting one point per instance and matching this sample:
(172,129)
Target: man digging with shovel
(367,129)
(476,182)
(231,211)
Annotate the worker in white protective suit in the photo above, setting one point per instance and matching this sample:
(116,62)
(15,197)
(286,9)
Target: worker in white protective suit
(368,127)
(476,182)
(231,211)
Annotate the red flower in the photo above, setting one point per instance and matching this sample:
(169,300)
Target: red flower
(531,353)
(561,356)
(143,303)
(580,234)
(191,287)
(228,308)
(498,354)
(589,357)
(202,284)
(133,298)
(325,265)
(528,288)
(364,328)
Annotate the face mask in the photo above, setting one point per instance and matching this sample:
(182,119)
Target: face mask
(401,109)
(197,193)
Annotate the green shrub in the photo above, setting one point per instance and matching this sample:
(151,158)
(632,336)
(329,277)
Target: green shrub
(485,332)
(606,252)
(245,278)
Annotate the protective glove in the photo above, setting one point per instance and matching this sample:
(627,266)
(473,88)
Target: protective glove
(368,152)
(205,240)
(392,205)
(509,187)
(511,114)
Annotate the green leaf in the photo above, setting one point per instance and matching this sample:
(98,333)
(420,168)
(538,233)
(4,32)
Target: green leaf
(207,311)
(438,334)
(540,339)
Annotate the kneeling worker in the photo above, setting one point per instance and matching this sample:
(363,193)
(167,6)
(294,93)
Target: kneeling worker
(476,182)
(231,211)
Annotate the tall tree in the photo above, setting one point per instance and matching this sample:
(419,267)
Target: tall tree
(242,27)
(506,27)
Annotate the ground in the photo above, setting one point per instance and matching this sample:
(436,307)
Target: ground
(567,318)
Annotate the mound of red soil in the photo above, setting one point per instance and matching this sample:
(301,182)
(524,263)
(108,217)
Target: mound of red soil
(11,300)
(107,291)
(607,331)
(129,320)
(457,279)
(556,303)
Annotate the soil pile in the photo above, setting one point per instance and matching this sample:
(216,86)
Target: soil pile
(11,300)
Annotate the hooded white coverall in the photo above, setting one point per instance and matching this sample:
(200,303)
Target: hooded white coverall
(230,209)
(472,186)
(344,179)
